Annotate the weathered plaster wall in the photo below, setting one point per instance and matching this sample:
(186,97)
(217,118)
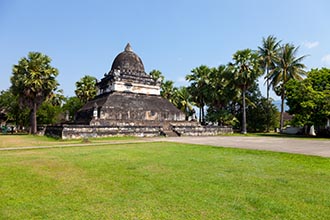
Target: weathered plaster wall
(83,131)
(87,131)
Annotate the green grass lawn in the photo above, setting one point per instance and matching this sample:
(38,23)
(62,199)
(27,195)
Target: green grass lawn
(162,181)
(23,140)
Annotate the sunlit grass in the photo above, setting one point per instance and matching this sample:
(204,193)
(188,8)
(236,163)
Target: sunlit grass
(10,141)
(162,181)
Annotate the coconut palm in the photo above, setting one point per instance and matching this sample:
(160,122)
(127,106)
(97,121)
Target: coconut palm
(268,53)
(288,66)
(245,71)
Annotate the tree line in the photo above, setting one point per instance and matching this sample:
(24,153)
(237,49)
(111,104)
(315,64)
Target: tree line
(225,95)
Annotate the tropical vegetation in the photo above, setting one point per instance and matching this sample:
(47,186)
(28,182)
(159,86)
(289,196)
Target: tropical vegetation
(86,88)
(309,100)
(287,66)
(224,95)
(33,82)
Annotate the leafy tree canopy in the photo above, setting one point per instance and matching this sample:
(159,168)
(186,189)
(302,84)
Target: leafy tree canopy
(309,100)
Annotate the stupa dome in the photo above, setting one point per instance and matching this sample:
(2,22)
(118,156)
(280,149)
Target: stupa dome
(128,61)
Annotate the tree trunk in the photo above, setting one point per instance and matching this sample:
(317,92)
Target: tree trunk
(267,81)
(200,115)
(282,112)
(203,116)
(244,112)
(33,117)
(268,104)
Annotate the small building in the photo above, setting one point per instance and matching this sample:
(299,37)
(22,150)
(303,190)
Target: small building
(129,103)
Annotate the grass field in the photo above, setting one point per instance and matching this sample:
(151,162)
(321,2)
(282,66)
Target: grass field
(24,140)
(162,181)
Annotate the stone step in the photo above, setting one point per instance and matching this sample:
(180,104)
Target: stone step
(170,133)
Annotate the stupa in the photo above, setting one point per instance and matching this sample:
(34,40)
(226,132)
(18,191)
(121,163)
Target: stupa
(127,95)
(129,103)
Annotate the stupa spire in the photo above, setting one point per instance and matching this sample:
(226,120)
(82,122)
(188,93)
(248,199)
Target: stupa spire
(128,48)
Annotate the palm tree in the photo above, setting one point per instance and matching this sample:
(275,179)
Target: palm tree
(157,75)
(288,66)
(33,81)
(86,88)
(182,100)
(268,53)
(199,88)
(246,70)
(167,90)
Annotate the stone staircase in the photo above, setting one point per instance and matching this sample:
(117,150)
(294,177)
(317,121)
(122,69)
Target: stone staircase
(170,133)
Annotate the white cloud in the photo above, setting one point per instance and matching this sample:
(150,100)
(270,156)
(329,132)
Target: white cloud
(311,44)
(326,59)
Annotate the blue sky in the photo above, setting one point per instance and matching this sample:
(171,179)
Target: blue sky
(83,37)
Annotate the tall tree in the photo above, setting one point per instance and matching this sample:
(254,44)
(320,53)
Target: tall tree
(33,81)
(287,67)
(245,71)
(182,100)
(309,99)
(86,88)
(268,53)
(199,79)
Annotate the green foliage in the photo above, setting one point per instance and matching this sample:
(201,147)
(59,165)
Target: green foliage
(11,109)
(51,112)
(262,116)
(167,90)
(309,100)
(48,113)
(86,88)
(72,105)
(162,181)
(157,75)
(245,71)
(182,100)
(287,66)
(33,81)
(221,117)
(199,78)
(268,53)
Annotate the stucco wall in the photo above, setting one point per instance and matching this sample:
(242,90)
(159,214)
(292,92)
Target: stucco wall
(86,131)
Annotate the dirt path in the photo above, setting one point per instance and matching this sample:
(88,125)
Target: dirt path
(289,145)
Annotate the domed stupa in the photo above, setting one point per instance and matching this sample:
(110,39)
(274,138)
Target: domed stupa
(128,95)
(129,103)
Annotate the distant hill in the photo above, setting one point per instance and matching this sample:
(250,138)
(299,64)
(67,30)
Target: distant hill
(277,103)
